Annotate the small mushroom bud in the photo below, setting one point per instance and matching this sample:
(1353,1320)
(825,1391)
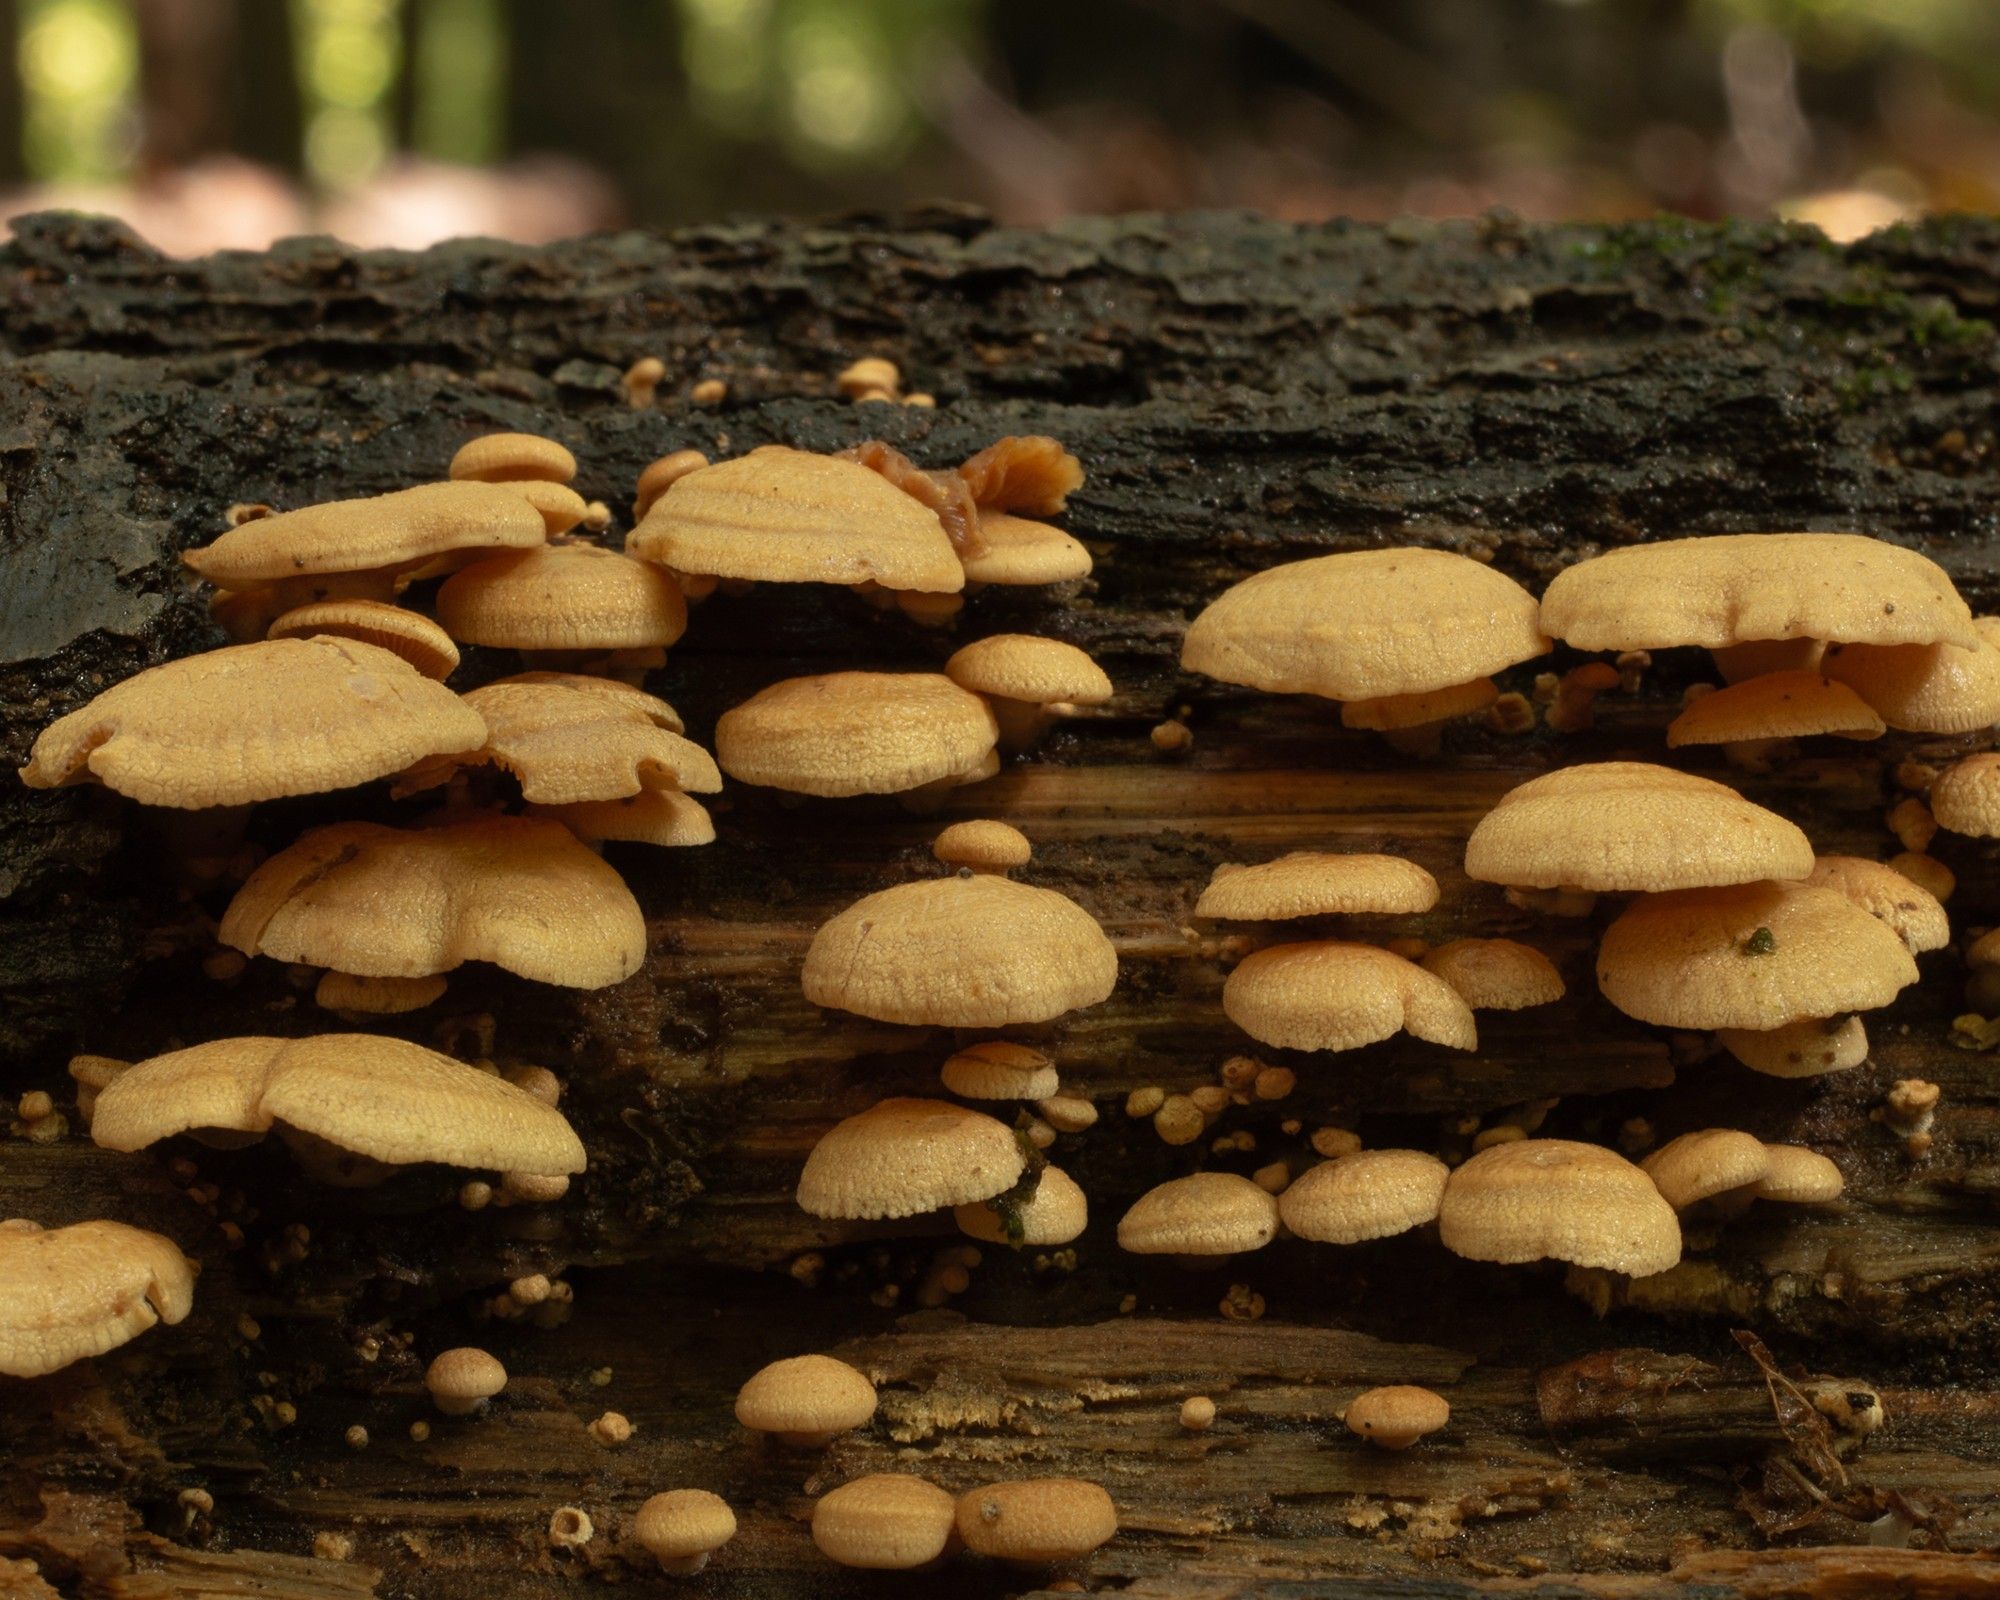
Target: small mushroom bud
(1396,1417)
(682,1528)
(462,1380)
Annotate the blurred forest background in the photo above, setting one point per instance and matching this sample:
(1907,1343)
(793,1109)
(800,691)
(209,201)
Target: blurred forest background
(224,123)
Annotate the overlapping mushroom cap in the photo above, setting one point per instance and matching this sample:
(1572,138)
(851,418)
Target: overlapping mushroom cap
(849,733)
(562,597)
(1495,974)
(1022,552)
(1055,1213)
(1966,796)
(902,1157)
(1330,995)
(1535,1198)
(663,817)
(1372,1194)
(1704,1164)
(1915,914)
(885,1522)
(1025,666)
(512,458)
(1935,688)
(1808,1048)
(82,1290)
(1314,883)
(1798,1176)
(409,634)
(1777,705)
(254,722)
(1203,1214)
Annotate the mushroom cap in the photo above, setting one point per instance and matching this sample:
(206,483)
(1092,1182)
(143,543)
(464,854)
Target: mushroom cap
(1000,1070)
(465,1372)
(887,1522)
(511,457)
(684,1523)
(1372,1194)
(663,817)
(380,902)
(380,997)
(1495,974)
(1808,1048)
(1726,589)
(1880,890)
(82,1290)
(562,597)
(1700,1165)
(382,532)
(1619,826)
(1778,705)
(1759,657)
(567,744)
(387,1099)
(561,507)
(1037,1520)
(977,952)
(1312,883)
(806,1394)
(1019,551)
(1581,1203)
(409,634)
(660,472)
(1366,624)
(1025,666)
(903,1157)
(255,722)
(1799,1176)
(1966,796)
(1922,688)
(1397,1415)
(1327,995)
(1055,1213)
(1203,1214)
(848,733)
(1691,958)
(983,845)
(1386,713)
(624,694)
(780,515)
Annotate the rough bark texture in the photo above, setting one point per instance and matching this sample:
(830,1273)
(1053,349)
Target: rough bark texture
(1240,393)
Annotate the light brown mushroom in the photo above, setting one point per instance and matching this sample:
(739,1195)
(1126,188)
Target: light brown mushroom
(663,817)
(1797,1176)
(463,1379)
(1315,883)
(1057,1212)
(982,846)
(1923,688)
(409,634)
(1495,974)
(659,475)
(566,600)
(1914,913)
(1709,1165)
(561,509)
(1203,1214)
(376,997)
(806,1400)
(81,1290)
(1037,1521)
(1527,1199)
(1372,1194)
(1328,995)
(1020,552)
(1966,796)
(511,458)
(885,1522)
(902,1157)
(682,1528)
(1396,1416)
(849,733)
(1029,681)
(999,1070)
(1755,716)
(1808,1048)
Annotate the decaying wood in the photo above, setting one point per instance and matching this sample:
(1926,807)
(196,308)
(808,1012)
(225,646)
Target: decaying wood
(1240,393)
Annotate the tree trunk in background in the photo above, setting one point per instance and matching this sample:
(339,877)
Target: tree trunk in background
(1240,393)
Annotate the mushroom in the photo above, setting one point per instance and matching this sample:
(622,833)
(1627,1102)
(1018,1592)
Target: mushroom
(806,1400)
(512,458)
(1527,1199)
(869,376)
(903,1157)
(409,634)
(1966,796)
(463,1379)
(998,1070)
(519,892)
(849,733)
(1036,1521)
(1797,1176)
(1759,657)
(1029,682)
(682,1528)
(1912,911)
(1396,1416)
(561,508)
(1313,883)
(1022,472)
(1753,717)
(1495,974)
(1923,688)
(663,817)
(84,1289)
(885,1522)
(1372,1194)
(1204,1214)
(1718,1168)
(376,997)
(1020,552)
(255,722)
(1327,995)
(1808,1048)
(982,846)
(565,603)
(657,476)
(1057,1212)
(1415,723)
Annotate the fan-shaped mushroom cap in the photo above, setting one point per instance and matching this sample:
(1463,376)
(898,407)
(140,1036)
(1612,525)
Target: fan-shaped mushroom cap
(663,817)
(1000,1070)
(1036,1521)
(383,1098)
(461,1380)
(1808,1048)
(1778,705)
(386,532)
(1495,974)
(784,516)
(1730,589)
(253,722)
(903,1157)
(1022,552)
(1313,883)
(395,903)
(1701,1165)
(568,744)
(682,1528)
(82,1290)
(982,845)
(409,634)
(977,952)
(848,733)
(1366,624)
(1024,666)
(1055,1213)
(379,997)
(1883,892)
(1327,995)
(1922,688)
(806,1397)
(886,1522)
(1389,712)
(1203,1214)
(1397,1416)
(1580,1203)
(561,507)
(512,457)
(1753,955)
(562,597)
(1619,826)
(1371,1194)
(1798,1176)
(1966,796)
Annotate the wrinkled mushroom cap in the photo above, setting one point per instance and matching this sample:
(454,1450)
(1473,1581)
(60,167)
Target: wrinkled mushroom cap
(887,1522)
(409,634)
(1581,1203)
(848,733)
(562,597)
(626,695)
(1328,995)
(1966,796)
(1019,551)
(465,1373)
(1312,883)
(780,515)
(1883,892)
(1000,1070)
(1036,1520)
(1922,688)
(903,1157)
(387,1099)
(1396,1416)
(977,952)
(1730,589)
(1024,666)
(381,902)
(512,457)
(1698,1166)
(683,1523)
(82,1290)
(1055,1213)
(1372,1194)
(1797,1176)
(983,845)
(255,722)
(663,817)
(806,1394)
(1495,974)
(1808,1048)
(1620,826)
(382,533)
(1203,1214)
(1753,955)
(1778,705)
(1366,624)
